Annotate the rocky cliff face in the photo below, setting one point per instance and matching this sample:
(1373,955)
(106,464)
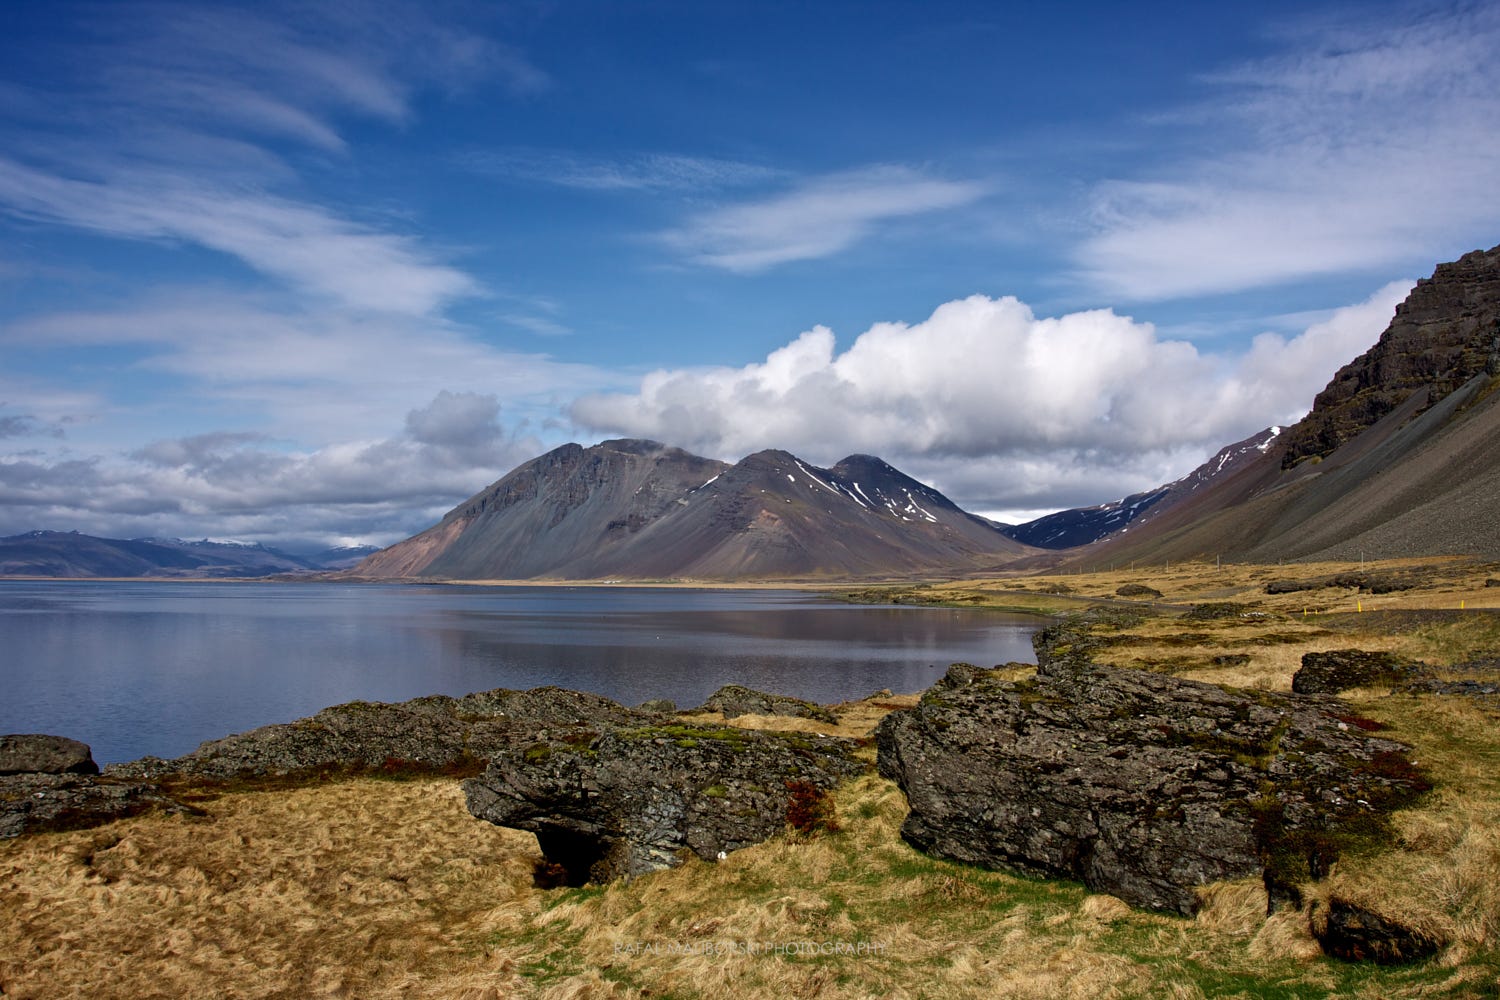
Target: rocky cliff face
(1396,459)
(1445,333)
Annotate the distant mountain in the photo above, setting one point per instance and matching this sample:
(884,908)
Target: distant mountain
(1400,455)
(641,510)
(74,555)
(1082,525)
(341,557)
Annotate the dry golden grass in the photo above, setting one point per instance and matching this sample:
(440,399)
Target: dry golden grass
(367,888)
(350,889)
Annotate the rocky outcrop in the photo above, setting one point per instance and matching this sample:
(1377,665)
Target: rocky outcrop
(1443,335)
(36,753)
(1338,670)
(1140,785)
(1137,590)
(615,801)
(1355,933)
(50,783)
(435,734)
(37,803)
(734,700)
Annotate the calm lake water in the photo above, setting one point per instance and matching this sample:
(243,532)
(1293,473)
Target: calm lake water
(157,668)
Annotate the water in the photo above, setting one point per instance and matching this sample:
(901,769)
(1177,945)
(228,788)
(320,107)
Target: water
(157,668)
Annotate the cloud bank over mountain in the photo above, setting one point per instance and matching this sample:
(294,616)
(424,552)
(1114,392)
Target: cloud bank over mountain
(995,404)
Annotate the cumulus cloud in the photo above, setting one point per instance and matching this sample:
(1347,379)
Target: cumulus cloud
(1002,407)
(1322,163)
(818,218)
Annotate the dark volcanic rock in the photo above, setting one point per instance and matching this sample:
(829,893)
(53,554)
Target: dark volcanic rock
(1341,669)
(734,700)
(1356,934)
(35,803)
(1138,784)
(39,754)
(616,802)
(433,734)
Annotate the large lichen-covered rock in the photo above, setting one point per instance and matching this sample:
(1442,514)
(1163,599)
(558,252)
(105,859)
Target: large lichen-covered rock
(1138,784)
(735,700)
(36,753)
(1336,670)
(612,802)
(433,734)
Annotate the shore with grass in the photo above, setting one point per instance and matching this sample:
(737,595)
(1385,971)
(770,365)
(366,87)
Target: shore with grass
(383,888)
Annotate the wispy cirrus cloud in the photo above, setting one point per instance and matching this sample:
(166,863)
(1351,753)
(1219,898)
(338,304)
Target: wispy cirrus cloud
(177,122)
(329,372)
(301,244)
(1324,163)
(816,218)
(646,172)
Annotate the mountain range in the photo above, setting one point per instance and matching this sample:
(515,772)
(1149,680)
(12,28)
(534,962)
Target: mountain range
(1399,456)
(642,510)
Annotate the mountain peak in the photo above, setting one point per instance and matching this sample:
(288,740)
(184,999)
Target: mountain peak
(632,509)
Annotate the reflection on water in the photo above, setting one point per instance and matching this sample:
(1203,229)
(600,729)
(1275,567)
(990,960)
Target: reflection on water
(156,668)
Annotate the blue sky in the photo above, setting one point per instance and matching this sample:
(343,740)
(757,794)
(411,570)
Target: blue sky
(315,272)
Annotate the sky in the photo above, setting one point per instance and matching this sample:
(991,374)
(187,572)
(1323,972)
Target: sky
(312,274)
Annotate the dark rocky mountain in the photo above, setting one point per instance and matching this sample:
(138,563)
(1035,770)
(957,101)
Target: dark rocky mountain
(1398,456)
(74,555)
(641,510)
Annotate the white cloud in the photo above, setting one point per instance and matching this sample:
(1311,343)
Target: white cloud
(1372,144)
(818,218)
(1000,407)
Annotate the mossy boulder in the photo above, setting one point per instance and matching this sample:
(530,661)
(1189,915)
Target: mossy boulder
(1338,670)
(616,802)
(1138,784)
(735,700)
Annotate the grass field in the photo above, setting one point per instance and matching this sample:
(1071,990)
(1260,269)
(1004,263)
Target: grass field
(370,888)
